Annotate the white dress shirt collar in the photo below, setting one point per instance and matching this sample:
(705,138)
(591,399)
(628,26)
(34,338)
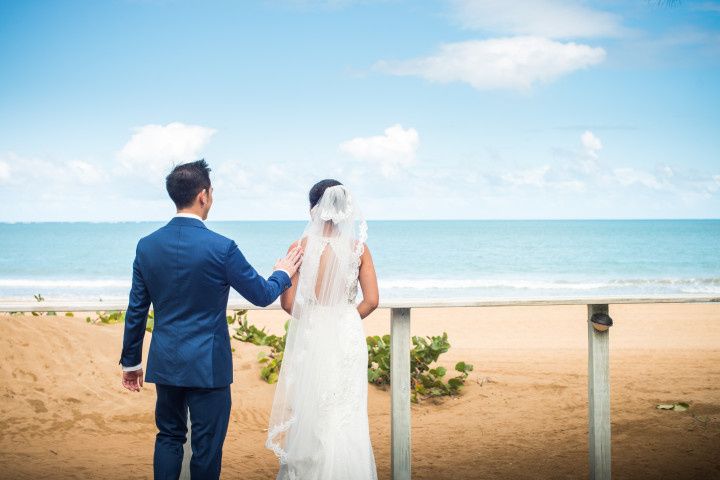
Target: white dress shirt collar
(189,215)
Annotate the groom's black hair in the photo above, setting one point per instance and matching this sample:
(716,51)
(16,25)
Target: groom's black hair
(186,181)
(317,190)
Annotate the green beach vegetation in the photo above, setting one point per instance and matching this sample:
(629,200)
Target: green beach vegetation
(425,381)
(246,332)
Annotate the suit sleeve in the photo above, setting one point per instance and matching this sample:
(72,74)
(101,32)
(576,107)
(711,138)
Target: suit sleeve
(242,277)
(135,319)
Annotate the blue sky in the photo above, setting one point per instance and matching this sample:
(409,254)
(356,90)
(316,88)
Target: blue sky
(429,109)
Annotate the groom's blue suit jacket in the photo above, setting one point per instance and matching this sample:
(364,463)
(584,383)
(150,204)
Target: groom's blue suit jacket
(186,271)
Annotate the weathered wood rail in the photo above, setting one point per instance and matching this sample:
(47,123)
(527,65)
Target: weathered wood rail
(401,451)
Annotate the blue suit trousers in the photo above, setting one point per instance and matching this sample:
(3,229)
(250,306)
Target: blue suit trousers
(209,416)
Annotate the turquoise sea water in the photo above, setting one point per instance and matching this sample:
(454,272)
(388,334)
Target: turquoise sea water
(414,259)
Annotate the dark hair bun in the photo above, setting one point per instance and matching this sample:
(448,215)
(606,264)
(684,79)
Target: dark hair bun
(317,190)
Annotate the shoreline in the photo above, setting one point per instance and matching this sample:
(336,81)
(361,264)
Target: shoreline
(236,302)
(115,289)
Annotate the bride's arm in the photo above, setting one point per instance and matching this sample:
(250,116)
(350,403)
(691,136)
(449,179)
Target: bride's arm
(368,284)
(288,296)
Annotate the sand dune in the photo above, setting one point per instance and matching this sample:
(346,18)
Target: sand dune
(63,413)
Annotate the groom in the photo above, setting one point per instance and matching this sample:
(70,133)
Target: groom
(185,271)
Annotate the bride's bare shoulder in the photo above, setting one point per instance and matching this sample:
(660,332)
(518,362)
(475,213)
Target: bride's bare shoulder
(302,242)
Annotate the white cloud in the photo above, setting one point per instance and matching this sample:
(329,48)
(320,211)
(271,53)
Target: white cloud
(534,176)
(629,177)
(591,143)
(514,63)
(276,170)
(544,18)
(86,173)
(43,172)
(393,150)
(714,185)
(581,172)
(264,179)
(234,174)
(153,149)
(4,172)
(544,177)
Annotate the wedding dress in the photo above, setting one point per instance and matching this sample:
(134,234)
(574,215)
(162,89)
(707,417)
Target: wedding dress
(319,424)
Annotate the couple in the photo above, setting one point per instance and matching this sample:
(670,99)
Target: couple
(318,424)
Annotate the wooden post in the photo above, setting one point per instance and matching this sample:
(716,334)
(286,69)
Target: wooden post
(187,453)
(400,390)
(599,397)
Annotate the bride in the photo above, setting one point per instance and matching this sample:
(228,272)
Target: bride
(319,424)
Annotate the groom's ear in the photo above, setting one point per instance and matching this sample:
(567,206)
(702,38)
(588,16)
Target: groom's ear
(204,197)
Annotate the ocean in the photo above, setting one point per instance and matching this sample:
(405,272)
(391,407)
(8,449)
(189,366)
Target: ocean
(414,259)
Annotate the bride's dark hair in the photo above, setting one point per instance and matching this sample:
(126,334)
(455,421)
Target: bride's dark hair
(317,190)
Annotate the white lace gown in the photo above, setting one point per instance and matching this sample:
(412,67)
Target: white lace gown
(319,425)
(330,438)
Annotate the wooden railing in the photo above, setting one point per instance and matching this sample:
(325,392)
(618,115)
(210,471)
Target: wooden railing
(401,452)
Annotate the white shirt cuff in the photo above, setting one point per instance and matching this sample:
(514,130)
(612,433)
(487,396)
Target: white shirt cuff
(284,271)
(132,369)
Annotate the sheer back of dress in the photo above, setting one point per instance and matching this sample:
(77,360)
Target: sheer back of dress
(329,276)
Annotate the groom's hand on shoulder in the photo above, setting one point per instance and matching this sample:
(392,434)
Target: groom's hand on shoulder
(291,262)
(133,380)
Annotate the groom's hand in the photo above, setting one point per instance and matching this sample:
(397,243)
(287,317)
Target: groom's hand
(133,380)
(291,262)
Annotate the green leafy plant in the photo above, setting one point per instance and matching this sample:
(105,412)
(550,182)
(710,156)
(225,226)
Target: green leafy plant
(246,332)
(425,382)
(38,298)
(150,325)
(108,318)
(378,359)
(237,316)
(112,317)
(116,316)
(677,406)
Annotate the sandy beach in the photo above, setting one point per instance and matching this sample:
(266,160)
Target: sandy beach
(523,413)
